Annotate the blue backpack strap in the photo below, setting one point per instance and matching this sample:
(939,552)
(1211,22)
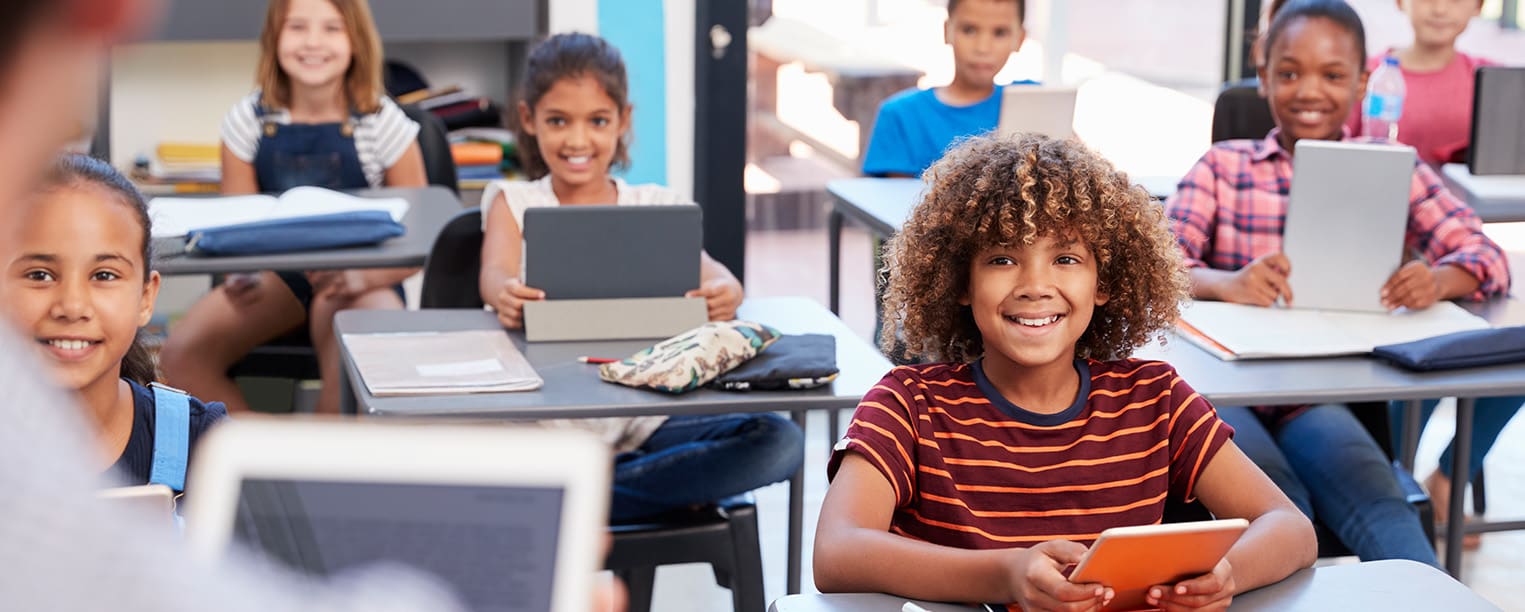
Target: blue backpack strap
(172,437)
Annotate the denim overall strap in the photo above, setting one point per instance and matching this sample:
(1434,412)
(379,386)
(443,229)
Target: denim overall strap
(302,154)
(172,437)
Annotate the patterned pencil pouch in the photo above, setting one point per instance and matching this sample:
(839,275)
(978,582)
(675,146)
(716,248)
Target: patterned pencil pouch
(691,359)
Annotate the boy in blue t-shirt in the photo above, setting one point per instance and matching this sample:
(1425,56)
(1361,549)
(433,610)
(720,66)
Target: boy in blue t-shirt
(914,127)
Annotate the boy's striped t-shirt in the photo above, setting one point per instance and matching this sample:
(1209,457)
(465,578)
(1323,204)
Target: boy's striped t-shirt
(971,470)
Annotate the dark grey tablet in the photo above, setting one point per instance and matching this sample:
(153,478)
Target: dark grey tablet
(1346,218)
(1498,123)
(601,252)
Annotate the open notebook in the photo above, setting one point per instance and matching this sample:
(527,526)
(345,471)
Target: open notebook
(436,363)
(1238,331)
(179,216)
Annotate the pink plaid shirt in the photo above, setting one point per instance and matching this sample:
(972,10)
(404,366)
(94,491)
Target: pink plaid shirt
(1231,208)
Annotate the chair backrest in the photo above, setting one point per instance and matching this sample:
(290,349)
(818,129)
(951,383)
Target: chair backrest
(433,142)
(1240,112)
(455,260)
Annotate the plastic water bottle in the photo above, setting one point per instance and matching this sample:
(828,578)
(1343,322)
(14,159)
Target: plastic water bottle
(1384,101)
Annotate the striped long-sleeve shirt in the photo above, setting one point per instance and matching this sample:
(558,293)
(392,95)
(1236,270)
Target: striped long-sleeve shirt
(971,470)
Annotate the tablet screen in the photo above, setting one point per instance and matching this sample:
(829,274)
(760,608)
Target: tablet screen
(495,545)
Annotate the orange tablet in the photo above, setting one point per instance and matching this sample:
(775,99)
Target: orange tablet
(1132,559)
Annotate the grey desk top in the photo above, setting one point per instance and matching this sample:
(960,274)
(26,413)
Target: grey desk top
(572,389)
(1339,379)
(884,203)
(1375,585)
(1495,198)
(429,208)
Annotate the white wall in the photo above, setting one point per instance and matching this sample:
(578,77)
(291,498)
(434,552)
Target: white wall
(174,92)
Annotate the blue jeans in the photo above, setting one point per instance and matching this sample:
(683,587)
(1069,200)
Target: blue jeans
(1490,417)
(1333,470)
(692,460)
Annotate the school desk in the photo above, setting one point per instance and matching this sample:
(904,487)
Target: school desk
(429,208)
(1495,198)
(1375,585)
(572,389)
(1272,382)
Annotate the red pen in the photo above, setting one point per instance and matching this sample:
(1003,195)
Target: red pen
(596,360)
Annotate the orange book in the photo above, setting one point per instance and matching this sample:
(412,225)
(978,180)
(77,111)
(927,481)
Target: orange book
(476,153)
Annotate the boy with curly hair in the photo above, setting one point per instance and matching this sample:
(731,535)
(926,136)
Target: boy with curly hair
(1031,270)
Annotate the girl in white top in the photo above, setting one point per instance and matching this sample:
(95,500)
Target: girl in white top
(574,120)
(318,118)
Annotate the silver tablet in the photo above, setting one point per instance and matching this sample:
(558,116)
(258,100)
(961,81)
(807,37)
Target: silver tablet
(1038,109)
(1346,220)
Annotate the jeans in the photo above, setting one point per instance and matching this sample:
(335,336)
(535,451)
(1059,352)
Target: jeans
(1333,470)
(1488,420)
(693,460)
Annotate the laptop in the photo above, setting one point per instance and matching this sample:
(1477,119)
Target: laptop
(1043,109)
(1346,220)
(602,252)
(1498,125)
(513,519)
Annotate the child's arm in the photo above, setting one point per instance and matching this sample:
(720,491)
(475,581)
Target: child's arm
(1462,261)
(408,170)
(855,552)
(721,291)
(1279,541)
(499,283)
(1259,283)
(237,175)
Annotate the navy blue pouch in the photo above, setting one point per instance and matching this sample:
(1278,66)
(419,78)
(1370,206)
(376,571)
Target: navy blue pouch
(295,234)
(1482,347)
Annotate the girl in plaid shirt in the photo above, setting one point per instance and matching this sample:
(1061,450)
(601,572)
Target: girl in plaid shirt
(1228,214)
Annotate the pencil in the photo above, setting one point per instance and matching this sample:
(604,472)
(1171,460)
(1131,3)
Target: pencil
(596,360)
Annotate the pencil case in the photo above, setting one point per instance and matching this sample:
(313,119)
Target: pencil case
(1468,349)
(295,234)
(803,361)
(691,359)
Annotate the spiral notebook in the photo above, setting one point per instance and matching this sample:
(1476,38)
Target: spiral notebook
(440,363)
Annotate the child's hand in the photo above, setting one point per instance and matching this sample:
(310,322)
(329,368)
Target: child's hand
(1413,286)
(1260,282)
(721,295)
(510,302)
(1211,591)
(1038,581)
(337,284)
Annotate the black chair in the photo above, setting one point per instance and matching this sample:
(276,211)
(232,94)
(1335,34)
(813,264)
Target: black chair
(455,260)
(434,144)
(291,356)
(723,535)
(1240,112)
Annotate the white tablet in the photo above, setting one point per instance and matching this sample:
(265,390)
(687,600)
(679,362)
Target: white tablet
(513,519)
(1130,560)
(1039,109)
(1346,217)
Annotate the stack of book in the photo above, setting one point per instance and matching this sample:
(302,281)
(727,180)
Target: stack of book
(180,167)
(482,154)
(456,108)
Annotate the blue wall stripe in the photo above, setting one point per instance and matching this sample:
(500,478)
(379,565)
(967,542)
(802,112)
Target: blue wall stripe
(637,28)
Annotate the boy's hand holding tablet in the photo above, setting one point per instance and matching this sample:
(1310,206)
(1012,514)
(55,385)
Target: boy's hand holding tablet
(1176,566)
(1039,583)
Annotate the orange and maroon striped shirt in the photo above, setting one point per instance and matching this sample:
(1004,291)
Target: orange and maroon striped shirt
(971,470)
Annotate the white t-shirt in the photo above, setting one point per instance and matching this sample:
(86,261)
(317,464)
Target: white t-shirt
(524,195)
(622,433)
(380,137)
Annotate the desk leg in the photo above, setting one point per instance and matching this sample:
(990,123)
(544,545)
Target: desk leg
(1462,450)
(1411,427)
(796,515)
(834,261)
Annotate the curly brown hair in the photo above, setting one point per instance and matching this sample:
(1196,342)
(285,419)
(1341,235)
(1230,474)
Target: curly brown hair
(989,191)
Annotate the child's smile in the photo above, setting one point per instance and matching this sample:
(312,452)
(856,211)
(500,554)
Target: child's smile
(1313,80)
